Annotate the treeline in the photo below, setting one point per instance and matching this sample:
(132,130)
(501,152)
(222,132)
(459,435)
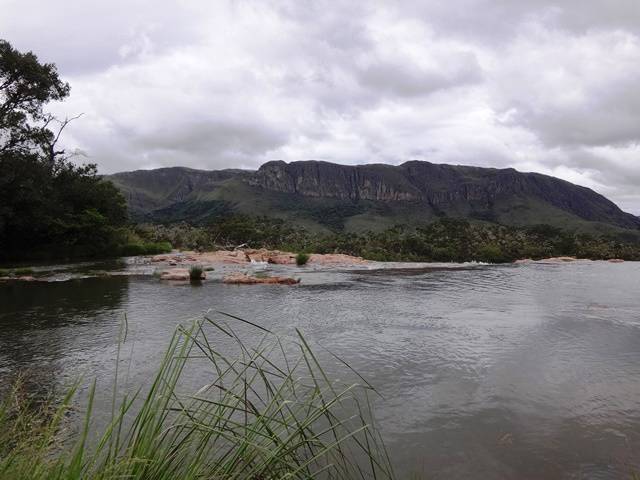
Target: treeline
(50,207)
(446,240)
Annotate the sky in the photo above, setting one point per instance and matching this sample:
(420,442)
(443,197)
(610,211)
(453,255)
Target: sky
(538,85)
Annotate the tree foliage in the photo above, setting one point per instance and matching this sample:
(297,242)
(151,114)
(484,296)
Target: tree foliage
(49,206)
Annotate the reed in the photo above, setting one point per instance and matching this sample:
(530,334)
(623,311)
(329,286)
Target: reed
(270,411)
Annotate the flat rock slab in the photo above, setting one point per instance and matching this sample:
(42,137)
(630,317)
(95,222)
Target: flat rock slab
(179,274)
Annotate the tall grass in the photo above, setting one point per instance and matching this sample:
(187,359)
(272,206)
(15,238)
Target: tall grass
(268,412)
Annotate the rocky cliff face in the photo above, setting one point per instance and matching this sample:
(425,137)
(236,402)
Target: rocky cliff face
(440,186)
(323,179)
(309,188)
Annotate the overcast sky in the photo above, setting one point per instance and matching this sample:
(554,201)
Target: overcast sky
(538,85)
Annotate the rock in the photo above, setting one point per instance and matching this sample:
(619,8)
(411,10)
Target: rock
(524,261)
(282,259)
(335,258)
(162,258)
(558,260)
(243,279)
(179,274)
(26,278)
(222,256)
(615,260)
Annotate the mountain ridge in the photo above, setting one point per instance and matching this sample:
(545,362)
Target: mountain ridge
(368,193)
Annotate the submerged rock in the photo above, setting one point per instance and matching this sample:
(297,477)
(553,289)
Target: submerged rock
(26,278)
(244,279)
(524,261)
(558,260)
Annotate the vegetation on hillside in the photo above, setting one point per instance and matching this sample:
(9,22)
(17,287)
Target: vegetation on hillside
(49,206)
(446,240)
(267,411)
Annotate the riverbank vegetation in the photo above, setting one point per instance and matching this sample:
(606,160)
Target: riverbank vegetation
(268,411)
(446,240)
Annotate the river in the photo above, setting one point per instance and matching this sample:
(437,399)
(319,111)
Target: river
(485,371)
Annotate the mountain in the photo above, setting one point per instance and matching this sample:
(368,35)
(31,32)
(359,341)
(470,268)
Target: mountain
(322,195)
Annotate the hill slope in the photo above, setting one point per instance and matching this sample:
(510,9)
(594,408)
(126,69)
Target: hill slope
(323,195)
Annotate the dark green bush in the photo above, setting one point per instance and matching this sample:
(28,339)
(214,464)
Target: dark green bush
(195,273)
(133,249)
(492,253)
(302,259)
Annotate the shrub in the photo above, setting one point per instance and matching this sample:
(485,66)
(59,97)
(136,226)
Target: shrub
(302,259)
(4,272)
(196,273)
(133,249)
(159,247)
(491,253)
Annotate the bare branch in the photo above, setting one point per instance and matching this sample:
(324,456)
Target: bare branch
(50,148)
(63,124)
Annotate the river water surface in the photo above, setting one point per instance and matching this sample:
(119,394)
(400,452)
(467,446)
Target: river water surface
(488,372)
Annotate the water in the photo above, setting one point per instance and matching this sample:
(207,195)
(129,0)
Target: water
(491,372)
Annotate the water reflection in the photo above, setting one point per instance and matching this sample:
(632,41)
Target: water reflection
(41,323)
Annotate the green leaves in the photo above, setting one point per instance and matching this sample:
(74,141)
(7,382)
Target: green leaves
(49,207)
(26,86)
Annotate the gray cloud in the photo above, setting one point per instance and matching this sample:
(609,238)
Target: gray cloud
(535,84)
(406,79)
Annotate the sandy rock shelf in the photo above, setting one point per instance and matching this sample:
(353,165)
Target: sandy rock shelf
(179,274)
(242,257)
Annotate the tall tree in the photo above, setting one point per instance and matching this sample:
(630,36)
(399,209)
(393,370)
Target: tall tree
(48,205)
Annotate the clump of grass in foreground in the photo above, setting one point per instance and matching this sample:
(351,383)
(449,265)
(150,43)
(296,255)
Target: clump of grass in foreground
(267,414)
(302,259)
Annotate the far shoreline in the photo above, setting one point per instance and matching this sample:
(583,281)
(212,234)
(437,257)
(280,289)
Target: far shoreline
(251,265)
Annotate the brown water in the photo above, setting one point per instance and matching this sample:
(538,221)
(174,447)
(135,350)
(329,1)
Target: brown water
(489,372)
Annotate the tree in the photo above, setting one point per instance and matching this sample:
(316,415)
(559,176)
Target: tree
(48,205)
(26,86)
